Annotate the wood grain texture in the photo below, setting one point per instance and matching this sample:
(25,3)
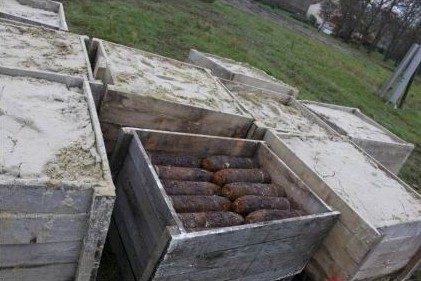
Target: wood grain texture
(42,228)
(41,199)
(39,254)
(133,110)
(52,272)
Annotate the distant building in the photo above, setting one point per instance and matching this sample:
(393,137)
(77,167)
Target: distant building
(294,6)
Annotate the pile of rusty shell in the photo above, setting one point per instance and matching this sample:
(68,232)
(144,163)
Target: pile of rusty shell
(239,189)
(219,162)
(210,219)
(164,159)
(176,187)
(250,203)
(226,176)
(270,215)
(194,204)
(183,174)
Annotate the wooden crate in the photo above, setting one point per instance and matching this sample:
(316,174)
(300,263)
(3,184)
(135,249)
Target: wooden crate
(379,230)
(384,146)
(44,50)
(240,72)
(46,13)
(53,227)
(158,246)
(276,111)
(136,103)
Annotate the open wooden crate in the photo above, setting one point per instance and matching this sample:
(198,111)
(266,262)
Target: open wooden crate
(149,91)
(157,245)
(384,146)
(52,225)
(44,13)
(379,230)
(239,72)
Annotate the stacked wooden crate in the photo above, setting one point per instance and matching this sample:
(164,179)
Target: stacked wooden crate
(46,13)
(276,111)
(145,90)
(160,247)
(56,191)
(379,229)
(384,146)
(243,73)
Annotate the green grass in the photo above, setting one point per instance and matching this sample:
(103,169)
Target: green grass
(321,73)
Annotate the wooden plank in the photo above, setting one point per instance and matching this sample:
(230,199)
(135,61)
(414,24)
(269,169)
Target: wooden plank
(101,205)
(263,256)
(120,151)
(134,230)
(41,199)
(41,228)
(215,251)
(52,272)
(110,133)
(94,238)
(203,145)
(133,110)
(410,267)
(120,253)
(39,254)
(68,80)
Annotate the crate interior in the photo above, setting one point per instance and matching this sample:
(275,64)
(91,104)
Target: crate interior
(212,184)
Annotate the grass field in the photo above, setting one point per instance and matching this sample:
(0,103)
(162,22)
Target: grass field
(321,73)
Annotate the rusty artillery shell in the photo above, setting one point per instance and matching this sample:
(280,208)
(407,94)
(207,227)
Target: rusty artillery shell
(194,204)
(164,159)
(210,219)
(175,187)
(239,189)
(216,163)
(270,215)
(182,173)
(225,176)
(250,203)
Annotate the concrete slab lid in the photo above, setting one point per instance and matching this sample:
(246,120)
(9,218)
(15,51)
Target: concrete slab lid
(20,9)
(375,194)
(46,133)
(143,73)
(44,50)
(353,125)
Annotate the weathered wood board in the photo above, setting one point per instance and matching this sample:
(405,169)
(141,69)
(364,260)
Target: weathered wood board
(53,222)
(158,246)
(379,230)
(384,146)
(240,72)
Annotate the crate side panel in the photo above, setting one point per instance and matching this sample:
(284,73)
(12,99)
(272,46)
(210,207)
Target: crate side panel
(52,272)
(40,199)
(149,113)
(44,228)
(39,254)
(203,145)
(271,244)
